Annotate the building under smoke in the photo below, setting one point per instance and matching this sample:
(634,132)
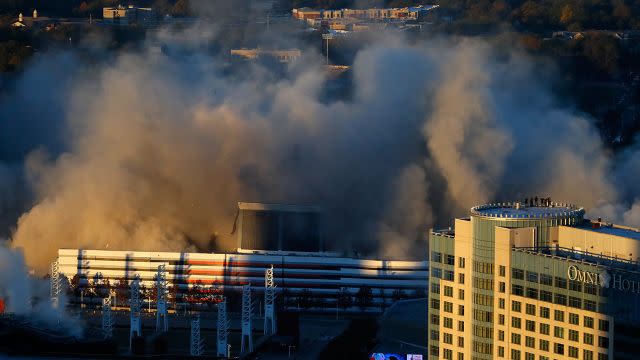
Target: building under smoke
(277,227)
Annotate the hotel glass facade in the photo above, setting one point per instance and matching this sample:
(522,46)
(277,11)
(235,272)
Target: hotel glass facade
(533,282)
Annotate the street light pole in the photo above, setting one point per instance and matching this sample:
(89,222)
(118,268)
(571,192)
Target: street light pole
(327,37)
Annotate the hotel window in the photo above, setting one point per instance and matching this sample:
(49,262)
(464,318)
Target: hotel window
(529,356)
(517,290)
(603,357)
(546,280)
(500,335)
(500,319)
(515,338)
(500,351)
(435,288)
(558,332)
(448,291)
(436,257)
(560,299)
(461,278)
(461,294)
(588,339)
(450,259)
(590,305)
(515,322)
(461,262)
(603,325)
(501,303)
(532,276)
(447,354)
(530,342)
(516,306)
(544,312)
(436,272)
(558,348)
(530,309)
(573,352)
(501,287)
(530,325)
(461,310)
(502,270)
(574,319)
(603,342)
(435,335)
(561,282)
(448,275)
(590,289)
(435,351)
(517,274)
(587,355)
(542,357)
(515,354)
(575,285)
(532,293)
(546,296)
(435,304)
(448,307)
(544,345)
(460,325)
(435,319)
(447,338)
(575,302)
(588,322)
(558,315)
(460,341)
(574,335)
(544,329)
(448,323)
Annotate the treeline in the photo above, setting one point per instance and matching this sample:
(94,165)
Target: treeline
(83,8)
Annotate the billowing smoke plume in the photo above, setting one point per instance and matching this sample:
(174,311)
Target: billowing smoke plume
(156,150)
(25,295)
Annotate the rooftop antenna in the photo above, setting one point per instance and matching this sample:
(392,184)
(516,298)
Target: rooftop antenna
(223,330)
(269,300)
(247,309)
(55,284)
(161,300)
(197,344)
(107,318)
(134,309)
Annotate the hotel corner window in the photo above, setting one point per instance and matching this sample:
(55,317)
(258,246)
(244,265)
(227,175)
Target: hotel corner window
(532,276)
(561,282)
(436,257)
(435,288)
(461,262)
(451,260)
(603,325)
(448,275)
(448,291)
(530,309)
(502,270)
(461,294)
(501,287)
(558,315)
(461,278)
(516,306)
(603,342)
(546,280)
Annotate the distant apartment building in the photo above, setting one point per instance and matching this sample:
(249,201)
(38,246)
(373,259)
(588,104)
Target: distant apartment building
(534,280)
(405,13)
(129,15)
(283,56)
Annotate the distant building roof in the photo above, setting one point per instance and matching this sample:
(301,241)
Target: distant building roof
(278,207)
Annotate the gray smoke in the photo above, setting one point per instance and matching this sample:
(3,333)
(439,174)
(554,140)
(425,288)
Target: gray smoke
(156,150)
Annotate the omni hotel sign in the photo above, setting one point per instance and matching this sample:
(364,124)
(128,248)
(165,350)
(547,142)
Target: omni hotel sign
(603,279)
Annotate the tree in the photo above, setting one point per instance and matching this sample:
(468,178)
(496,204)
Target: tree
(364,297)
(344,299)
(602,51)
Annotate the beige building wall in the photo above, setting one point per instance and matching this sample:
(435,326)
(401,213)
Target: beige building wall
(598,242)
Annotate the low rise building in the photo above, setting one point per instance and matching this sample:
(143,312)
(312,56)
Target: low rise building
(129,15)
(283,56)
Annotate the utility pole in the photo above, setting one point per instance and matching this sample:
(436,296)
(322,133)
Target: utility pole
(247,310)
(327,37)
(269,302)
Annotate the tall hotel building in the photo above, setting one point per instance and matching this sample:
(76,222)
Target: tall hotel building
(534,280)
